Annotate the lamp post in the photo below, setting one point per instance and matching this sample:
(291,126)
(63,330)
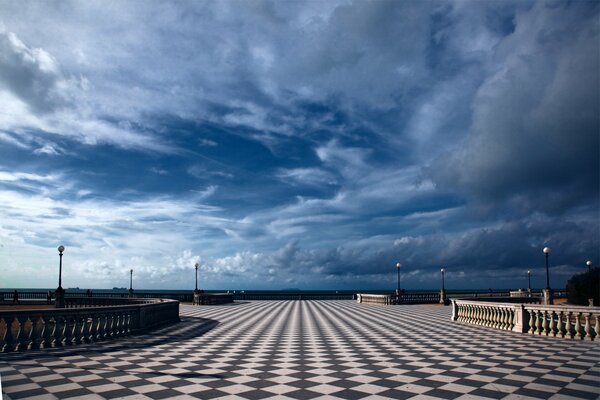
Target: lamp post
(60,292)
(398,265)
(442,271)
(547,292)
(196,266)
(529,280)
(131,282)
(589,265)
(443,299)
(547,251)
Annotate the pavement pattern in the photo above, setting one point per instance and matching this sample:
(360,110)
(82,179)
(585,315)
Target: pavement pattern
(311,349)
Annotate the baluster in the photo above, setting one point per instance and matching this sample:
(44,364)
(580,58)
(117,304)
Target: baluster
(538,323)
(470,313)
(553,329)
(24,333)
(69,329)
(504,320)
(85,328)
(77,329)
(37,331)
(110,323)
(126,322)
(119,321)
(59,330)
(489,316)
(569,332)
(532,317)
(94,321)
(498,317)
(546,325)
(597,326)
(560,315)
(578,331)
(10,341)
(588,327)
(101,326)
(3,330)
(49,327)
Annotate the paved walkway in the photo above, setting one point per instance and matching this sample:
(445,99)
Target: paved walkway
(311,349)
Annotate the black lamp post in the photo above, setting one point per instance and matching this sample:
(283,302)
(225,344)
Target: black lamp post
(442,270)
(547,251)
(197,265)
(529,280)
(61,249)
(589,265)
(398,265)
(59,300)
(131,279)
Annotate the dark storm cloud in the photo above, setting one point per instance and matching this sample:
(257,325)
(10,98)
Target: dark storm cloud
(533,144)
(303,143)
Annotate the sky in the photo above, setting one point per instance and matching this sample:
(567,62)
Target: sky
(298,144)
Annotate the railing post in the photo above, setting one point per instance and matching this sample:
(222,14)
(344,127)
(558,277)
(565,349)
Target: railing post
(454,310)
(520,322)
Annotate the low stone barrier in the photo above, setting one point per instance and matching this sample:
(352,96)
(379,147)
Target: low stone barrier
(212,298)
(570,322)
(406,298)
(34,329)
(375,298)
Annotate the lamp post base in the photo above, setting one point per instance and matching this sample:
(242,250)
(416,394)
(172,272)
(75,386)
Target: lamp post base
(130,291)
(548,296)
(59,300)
(197,297)
(443,299)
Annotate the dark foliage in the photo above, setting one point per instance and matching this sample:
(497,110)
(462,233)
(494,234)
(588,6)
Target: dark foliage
(584,286)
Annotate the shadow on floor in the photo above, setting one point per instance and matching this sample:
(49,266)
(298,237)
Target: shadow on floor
(189,328)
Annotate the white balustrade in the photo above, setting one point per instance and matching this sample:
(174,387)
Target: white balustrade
(33,329)
(570,322)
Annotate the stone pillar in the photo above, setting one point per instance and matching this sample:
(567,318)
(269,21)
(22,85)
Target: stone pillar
(548,296)
(196,299)
(521,322)
(443,298)
(130,291)
(59,301)
(591,303)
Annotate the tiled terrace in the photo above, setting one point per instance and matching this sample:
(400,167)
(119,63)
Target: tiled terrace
(311,349)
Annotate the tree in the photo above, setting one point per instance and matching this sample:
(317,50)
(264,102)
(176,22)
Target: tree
(584,286)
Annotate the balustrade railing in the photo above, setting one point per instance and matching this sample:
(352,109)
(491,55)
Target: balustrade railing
(34,329)
(571,322)
(375,298)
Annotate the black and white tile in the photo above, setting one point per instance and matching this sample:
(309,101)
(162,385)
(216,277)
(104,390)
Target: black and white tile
(311,349)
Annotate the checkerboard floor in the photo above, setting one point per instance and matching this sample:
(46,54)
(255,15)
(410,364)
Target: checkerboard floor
(311,349)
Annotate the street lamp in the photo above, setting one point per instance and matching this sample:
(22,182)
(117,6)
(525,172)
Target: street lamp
(589,265)
(131,279)
(398,265)
(529,280)
(547,251)
(443,298)
(548,297)
(59,301)
(197,265)
(61,249)
(443,270)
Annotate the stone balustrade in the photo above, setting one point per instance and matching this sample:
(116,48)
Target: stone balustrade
(571,322)
(375,298)
(34,329)
(212,298)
